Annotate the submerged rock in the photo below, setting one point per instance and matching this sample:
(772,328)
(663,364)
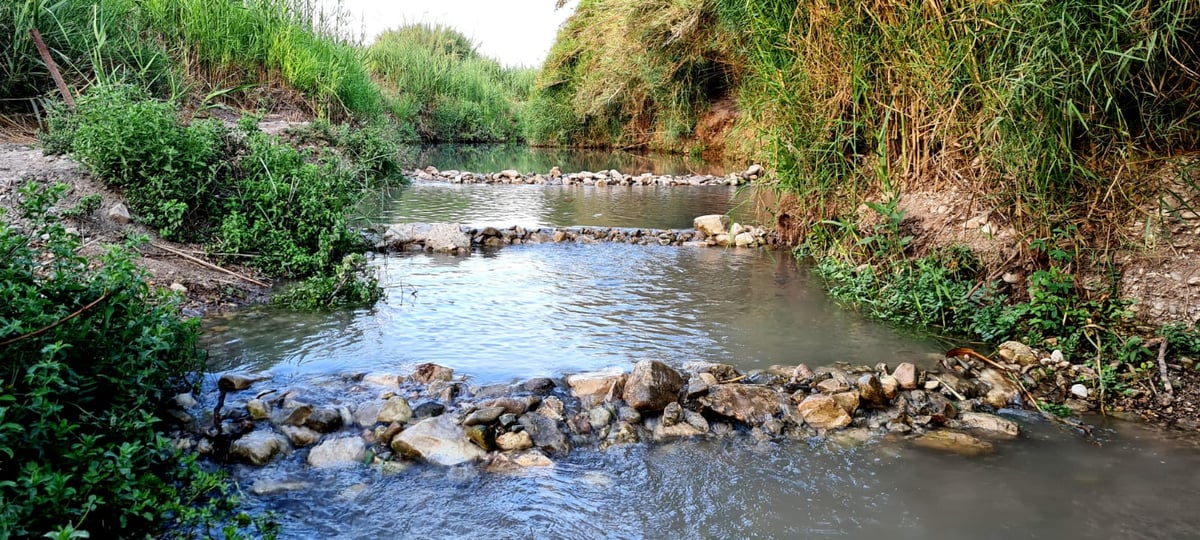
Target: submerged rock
(517,461)
(437,440)
(545,433)
(946,440)
(990,425)
(652,385)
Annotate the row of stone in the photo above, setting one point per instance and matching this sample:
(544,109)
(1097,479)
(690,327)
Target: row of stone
(586,178)
(512,426)
(710,231)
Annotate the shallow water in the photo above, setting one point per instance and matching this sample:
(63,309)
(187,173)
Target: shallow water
(485,158)
(546,310)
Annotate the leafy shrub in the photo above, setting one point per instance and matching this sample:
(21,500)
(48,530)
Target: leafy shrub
(90,353)
(352,283)
(168,171)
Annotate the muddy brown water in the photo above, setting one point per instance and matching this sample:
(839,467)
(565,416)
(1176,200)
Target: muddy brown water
(547,310)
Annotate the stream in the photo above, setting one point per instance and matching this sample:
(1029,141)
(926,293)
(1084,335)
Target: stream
(523,311)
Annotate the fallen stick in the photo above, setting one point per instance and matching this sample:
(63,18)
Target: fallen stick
(54,325)
(1162,367)
(950,388)
(209,265)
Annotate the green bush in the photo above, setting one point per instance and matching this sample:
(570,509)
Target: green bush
(351,284)
(90,353)
(169,171)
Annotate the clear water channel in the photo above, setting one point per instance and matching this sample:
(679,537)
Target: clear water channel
(553,309)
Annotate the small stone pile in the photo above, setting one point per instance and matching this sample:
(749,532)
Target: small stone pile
(709,231)
(434,417)
(555,177)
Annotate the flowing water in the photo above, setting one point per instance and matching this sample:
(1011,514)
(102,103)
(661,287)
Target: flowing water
(546,310)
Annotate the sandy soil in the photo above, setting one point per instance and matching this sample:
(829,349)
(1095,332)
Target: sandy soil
(206,289)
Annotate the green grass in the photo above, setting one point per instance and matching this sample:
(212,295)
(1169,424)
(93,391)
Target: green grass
(438,82)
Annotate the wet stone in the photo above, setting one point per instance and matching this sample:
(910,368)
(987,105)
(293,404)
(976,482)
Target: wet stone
(545,433)
(823,412)
(343,452)
(324,420)
(481,435)
(906,375)
(485,415)
(428,373)
(428,409)
(652,385)
(749,404)
(990,425)
(300,435)
(296,415)
(258,447)
(953,441)
(395,409)
(871,392)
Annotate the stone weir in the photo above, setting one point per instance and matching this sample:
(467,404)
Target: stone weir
(709,231)
(434,416)
(586,178)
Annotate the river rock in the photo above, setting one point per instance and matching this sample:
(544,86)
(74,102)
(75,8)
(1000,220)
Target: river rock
(440,237)
(599,417)
(711,225)
(342,452)
(990,425)
(555,172)
(517,461)
(847,400)
(258,409)
(833,385)
(744,240)
(622,433)
(906,375)
(395,409)
(664,432)
(539,385)
(367,414)
(552,408)
(1001,391)
(428,409)
(266,486)
(947,440)
(695,420)
(823,412)
(294,415)
(232,382)
(672,414)
(545,433)
(258,447)
(749,404)
(871,392)
(390,380)
(652,385)
(511,405)
(437,440)
(428,373)
(481,435)
(514,440)
(300,435)
(511,174)
(697,386)
(484,415)
(1079,391)
(1015,352)
(324,420)
(890,386)
(592,388)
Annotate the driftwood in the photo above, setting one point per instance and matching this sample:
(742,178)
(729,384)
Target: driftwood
(50,65)
(209,265)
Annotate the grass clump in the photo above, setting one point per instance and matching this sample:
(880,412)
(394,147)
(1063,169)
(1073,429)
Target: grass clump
(632,73)
(351,283)
(91,352)
(441,84)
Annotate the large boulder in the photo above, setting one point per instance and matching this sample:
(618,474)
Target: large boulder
(712,225)
(258,447)
(652,385)
(437,440)
(823,412)
(342,452)
(746,403)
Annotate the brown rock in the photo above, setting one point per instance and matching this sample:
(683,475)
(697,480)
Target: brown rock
(906,375)
(427,373)
(1015,352)
(746,403)
(990,425)
(823,412)
(953,441)
(833,385)
(847,400)
(871,392)
(518,440)
(592,388)
(1001,391)
(652,385)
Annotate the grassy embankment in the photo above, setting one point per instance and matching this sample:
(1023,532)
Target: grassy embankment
(90,351)
(1061,116)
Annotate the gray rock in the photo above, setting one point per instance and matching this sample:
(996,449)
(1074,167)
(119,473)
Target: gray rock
(510,405)
(119,213)
(652,385)
(599,417)
(295,415)
(1080,391)
(367,414)
(823,412)
(258,409)
(539,386)
(441,237)
(695,420)
(552,408)
(258,447)
(233,382)
(437,440)
(629,414)
(514,440)
(683,429)
(672,414)
(545,433)
(517,461)
(300,435)
(746,403)
(428,409)
(485,415)
(324,420)
(395,409)
(341,452)
(622,433)
(696,386)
